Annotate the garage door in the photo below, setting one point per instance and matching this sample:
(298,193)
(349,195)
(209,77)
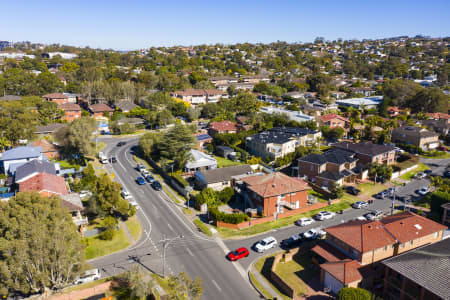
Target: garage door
(332,283)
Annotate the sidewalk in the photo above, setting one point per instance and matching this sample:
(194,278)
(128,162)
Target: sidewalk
(263,281)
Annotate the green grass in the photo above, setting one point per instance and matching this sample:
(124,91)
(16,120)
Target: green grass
(290,273)
(409,175)
(345,202)
(438,155)
(263,266)
(98,247)
(370,189)
(134,227)
(223,162)
(259,286)
(85,285)
(187,211)
(203,227)
(319,196)
(407,163)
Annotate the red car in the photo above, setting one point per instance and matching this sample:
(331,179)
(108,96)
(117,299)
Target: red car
(238,254)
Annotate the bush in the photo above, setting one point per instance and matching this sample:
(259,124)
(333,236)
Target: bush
(437,199)
(348,293)
(180,180)
(225,195)
(107,235)
(227,218)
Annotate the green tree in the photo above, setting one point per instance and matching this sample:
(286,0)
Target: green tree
(40,247)
(148,142)
(175,144)
(348,293)
(134,284)
(429,100)
(48,83)
(49,112)
(181,287)
(76,138)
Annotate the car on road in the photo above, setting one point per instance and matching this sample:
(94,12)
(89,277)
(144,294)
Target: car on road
(140,167)
(359,204)
(324,215)
(360,218)
(304,222)
(120,144)
(238,254)
(428,171)
(291,242)
(423,191)
(382,195)
(374,215)
(140,180)
(352,190)
(314,233)
(149,178)
(145,172)
(125,194)
(88,276)
(447,174)
(113,159)
(420,175)
(156,185)
(266,244)
(133,203)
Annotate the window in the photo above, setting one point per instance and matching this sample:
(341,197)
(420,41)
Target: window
(411,242)
(402,246)
(385,248)
(436,234)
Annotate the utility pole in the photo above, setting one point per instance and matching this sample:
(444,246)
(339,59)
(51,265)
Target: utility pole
(393,201)
(166,243)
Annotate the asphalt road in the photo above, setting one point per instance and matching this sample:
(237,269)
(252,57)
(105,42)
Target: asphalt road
(188,251)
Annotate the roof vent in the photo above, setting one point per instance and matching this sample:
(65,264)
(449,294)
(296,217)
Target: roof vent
(418,226)
(273,185)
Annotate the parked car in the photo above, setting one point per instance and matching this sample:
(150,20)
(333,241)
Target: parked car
(120,144)
(352,190)
(420,175)
(291,242)
(88,276)
(374,215)
(156,185)
(359,204)
(125,194)
(304,222)
(360,218)
(314,233)
(149,178)
(134,203)
(238,254)
(266,244)
(145,172)
(428,171)
(324,215)
(382,195)
(84,194)
(447,174)
(423,191)
(113,159)
(140,167)
(442,148)
(140,180)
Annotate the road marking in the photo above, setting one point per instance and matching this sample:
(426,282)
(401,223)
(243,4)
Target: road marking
(217,286)
(168,225)
(189,251)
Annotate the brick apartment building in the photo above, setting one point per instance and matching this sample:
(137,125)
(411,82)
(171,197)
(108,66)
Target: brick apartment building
(369,153)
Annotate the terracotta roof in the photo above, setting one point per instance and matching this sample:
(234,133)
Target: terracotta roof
(274,184)
(438,115)
(328,252)
(55,96)
(100,108)
(69,107)
(223,126)
(190,92)
(50,128)
(45,145)
(346,271)
(44,182)
(328,117)
(362,235)
(394,108)
(407,226)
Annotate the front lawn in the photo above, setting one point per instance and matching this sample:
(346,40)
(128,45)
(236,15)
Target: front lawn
(97,247)
(437,155)
(370,189)
(409,175)
(296,272)
(223,162)
(134,227)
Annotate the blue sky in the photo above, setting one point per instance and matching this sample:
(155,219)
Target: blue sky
(134,24)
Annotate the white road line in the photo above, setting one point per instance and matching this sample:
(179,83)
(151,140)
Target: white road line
(168,225)
(189,251)
(217,286)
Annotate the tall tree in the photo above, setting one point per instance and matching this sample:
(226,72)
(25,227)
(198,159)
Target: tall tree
(40,247)
(176,143)
(182,287)
(77,136)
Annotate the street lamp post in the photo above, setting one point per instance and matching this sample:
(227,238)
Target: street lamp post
(166,243)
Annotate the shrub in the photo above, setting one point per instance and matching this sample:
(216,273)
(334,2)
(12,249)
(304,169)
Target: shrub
(180,180)
(225,195)
(227,218)
(107,235)
(437,199)
(348,293)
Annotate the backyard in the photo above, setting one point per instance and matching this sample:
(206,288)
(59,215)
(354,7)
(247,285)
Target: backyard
(223,162)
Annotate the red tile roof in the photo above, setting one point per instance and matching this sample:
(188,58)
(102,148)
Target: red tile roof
(275,184)
(362,235)
(328,252)
(328,117)
(69,107)
(100,108)
(223,126)
(407,226)
(55,96)
(438,115)
(394,108)
(346,271)
(45,145)
(44,182)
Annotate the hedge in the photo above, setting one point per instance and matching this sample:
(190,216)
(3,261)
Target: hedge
(227,218)
(348,293)
(180,180)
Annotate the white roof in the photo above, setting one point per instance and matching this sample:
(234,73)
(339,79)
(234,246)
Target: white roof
(297,116)
(364,101)
(199,159)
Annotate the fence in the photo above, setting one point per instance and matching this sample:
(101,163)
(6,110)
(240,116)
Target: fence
(169,180)
(280,284)
(400,173)
(82,294)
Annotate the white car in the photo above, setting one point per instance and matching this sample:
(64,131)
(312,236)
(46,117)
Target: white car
(420,175)
(375,215)
(314,233)
(84,194)
(125,194)
(324,215)
(360,218)
(134,203)
(359,204)
(305,222)
(423,191)
(88,276)
(266,244)
(145,173)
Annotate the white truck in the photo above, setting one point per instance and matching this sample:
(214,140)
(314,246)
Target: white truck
(102,157)
(88,276)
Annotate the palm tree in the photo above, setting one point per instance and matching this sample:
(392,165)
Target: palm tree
(4,143)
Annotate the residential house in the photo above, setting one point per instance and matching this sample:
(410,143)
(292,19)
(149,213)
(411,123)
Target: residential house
(334,120)
(202,139)
(72,202)
(222,127)
(72,98)
(365,243)
(58,98)
(361,103)
(218,179)
(292,115)
(422,274)
(49,129)
(50,150)
(45,184)
(270,194)
(441,126)
(126,106)
(224,151)
(279,141)
(438,116)
(72,111)
(199,161)
(365,91)
(33,168)
(100,110)
(15,157)
(446,214)
(243,123)
(328,169)
(416,136)
(395,111)
(199,96)
(368,152)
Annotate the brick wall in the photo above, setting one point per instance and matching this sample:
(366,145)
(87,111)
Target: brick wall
(89,292)
(278,281)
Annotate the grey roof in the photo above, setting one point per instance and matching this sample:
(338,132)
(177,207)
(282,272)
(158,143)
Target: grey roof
(126,105)
(134,121)
(11,98)
(50,128)
(416,131)
(34,166)
(428,266)
(225,174)
(335,156)
(365,148)
(199,159)
(21,153)
(72,202)
(332,176)
(280,135)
